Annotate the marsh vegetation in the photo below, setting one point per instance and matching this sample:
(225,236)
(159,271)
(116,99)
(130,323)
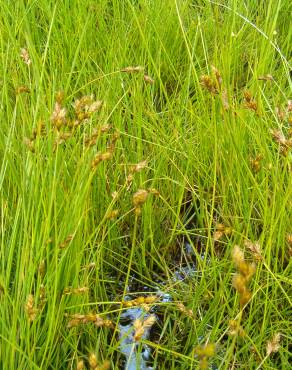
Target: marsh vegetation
(145,184)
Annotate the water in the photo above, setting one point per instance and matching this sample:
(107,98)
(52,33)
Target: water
(134,359)
(138,355)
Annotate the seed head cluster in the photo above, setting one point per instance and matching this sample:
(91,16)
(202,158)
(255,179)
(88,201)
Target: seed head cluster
(250,102)
(77,291)
(30,308)
(141,325)
(244,275)
(214,84)
(204,352)
(94,365)
(274,344)
(144,302)
(25,56)
(137,69)
(235,328)
(186,311)
(284,143)
(221,230)
(81,319)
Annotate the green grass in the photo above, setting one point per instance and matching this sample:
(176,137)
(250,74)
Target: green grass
(198,158)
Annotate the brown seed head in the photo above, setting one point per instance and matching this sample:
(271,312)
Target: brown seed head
(140,197)
(80,365)
(235,328)
(60,96)
(139,166)
(112,214)
(30,309)
(208,83)
(239,283)
(92,360)
(153,191)
(68,239)
(245,297)
(148,80)
(22,89)
(217,75)
(106,156)
(237,255)
(246,270)
(95,106)
(204,352)
(280,113)
(218,235)
(267,77)
(255,249)
(132,69)
(58,116)
(279,137)
(149,322)
(140,326)
(105,366)
(273,345)
(80,290)
(25,56)
(250,102)
(247,96)
(30,144)
(139,329)
(151,299)
(225,100)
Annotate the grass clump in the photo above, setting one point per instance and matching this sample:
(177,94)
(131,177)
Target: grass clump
(141,142)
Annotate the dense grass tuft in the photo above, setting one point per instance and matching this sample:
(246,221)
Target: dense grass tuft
(145,163)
